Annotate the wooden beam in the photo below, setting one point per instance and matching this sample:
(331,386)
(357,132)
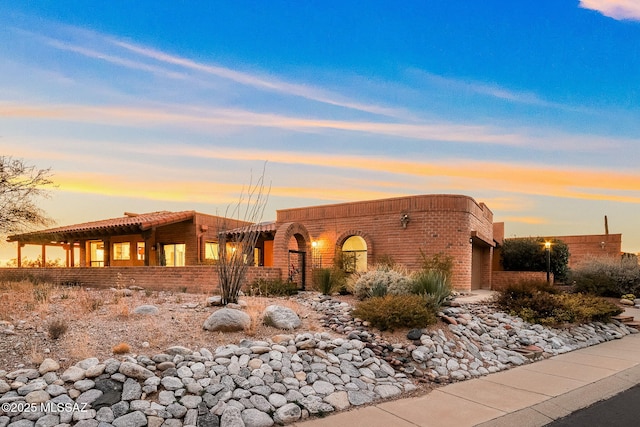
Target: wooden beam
(20,244)
(44,256)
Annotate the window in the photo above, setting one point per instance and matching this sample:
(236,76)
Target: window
(121,251)
(354,251)
(96,254)
(212,251)
(140,251)
(174,254)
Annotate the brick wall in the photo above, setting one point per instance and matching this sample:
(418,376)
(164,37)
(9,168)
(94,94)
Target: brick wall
(437,223)
(192,278)
(594,245)
(501,279)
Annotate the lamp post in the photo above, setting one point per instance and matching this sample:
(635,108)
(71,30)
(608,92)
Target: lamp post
(547,246)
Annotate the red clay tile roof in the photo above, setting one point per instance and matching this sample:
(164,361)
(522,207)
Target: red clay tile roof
(263,227)
(131,223)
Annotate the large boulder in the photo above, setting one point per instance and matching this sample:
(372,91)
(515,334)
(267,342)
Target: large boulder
(281,317)
(146,309)
(227,320)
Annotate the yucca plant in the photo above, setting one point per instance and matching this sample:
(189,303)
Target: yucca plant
(434,284)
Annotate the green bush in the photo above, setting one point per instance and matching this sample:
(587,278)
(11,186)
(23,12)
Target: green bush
(432,283)
(607,276)
(529,254)
(383,280)
(263,287)
(589,308)
(539,302)
(396,311)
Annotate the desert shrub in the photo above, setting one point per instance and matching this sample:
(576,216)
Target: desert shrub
(432,283)
(275,287)
(589,308)
(396,311)
(539,302)
(394,282)
(57,328)
(439,262)
(121,348)
(607,276)
(378,290)
(386,260)
(41,292)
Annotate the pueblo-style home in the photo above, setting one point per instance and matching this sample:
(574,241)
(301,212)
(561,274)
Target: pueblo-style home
(299,240)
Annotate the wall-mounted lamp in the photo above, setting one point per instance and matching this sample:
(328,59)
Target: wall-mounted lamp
(603,244)
(404,220)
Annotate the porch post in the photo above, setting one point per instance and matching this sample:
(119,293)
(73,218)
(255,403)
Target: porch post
(107,251)
(83,253)
(19,259)
(44,256)
(72,255)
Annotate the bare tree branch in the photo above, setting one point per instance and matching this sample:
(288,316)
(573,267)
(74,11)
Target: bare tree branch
(236,247)
(19,186)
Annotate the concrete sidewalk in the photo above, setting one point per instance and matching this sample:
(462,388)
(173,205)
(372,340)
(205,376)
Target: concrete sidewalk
(525,396)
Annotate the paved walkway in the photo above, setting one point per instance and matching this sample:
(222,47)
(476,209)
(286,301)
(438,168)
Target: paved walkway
(526,396)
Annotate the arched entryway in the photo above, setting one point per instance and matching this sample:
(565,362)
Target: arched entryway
(292,244)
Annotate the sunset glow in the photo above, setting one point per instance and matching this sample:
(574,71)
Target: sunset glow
(341,104)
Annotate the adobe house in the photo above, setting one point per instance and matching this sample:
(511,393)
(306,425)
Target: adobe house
(400,228)
(300,239)
(150,239)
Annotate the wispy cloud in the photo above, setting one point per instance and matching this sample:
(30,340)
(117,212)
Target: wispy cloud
(460,86)
(532,220)
(212,119)
(616,9)
(468,176)
(195,191)
(99,50)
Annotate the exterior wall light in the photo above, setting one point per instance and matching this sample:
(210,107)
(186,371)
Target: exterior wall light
(404,220)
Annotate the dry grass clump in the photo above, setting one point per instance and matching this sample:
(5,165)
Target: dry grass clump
(255,310)
(121,348)
(57,328)
(87,301)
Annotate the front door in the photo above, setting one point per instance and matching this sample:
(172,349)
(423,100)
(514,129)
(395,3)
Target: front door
(297,267)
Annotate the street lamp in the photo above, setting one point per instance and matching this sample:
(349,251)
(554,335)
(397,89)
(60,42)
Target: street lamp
(547,246)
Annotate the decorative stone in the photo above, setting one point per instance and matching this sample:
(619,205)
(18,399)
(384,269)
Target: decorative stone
(135,371)
(281,317)
(132,419)
(48,365)
(146,310)
(227,320)
(72,374)
(255,418)
(288,413)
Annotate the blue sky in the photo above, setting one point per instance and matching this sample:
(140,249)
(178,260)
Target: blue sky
(530,107)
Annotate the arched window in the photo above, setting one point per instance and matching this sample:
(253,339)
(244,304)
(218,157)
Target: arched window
(354,250)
